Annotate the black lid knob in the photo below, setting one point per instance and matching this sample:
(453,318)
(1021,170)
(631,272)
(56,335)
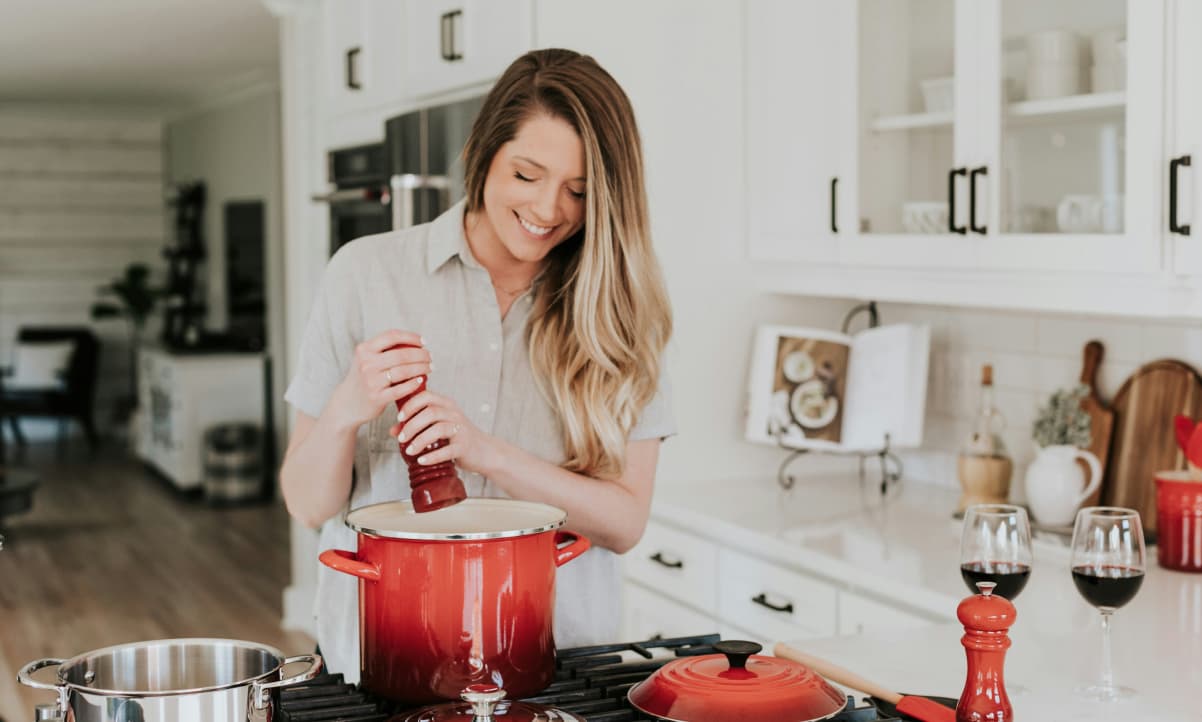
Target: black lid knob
(737,651)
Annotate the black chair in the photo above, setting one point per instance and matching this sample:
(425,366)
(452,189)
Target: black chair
(73,401)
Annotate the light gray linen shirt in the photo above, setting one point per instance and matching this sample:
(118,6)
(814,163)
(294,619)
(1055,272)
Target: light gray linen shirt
(424,279)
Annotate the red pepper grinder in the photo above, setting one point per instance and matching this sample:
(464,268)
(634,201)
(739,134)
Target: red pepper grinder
(985,618)
(431,486)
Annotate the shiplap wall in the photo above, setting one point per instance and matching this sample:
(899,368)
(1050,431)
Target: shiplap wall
(81,197)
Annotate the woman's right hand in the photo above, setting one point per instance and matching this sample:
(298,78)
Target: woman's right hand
(380,374)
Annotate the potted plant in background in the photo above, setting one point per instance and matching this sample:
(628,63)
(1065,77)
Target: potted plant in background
(133,299)
(1055,483)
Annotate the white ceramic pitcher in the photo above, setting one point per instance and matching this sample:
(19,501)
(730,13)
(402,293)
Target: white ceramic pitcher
(1055,485)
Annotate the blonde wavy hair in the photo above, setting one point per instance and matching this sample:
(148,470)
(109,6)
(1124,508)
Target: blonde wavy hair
(601,316)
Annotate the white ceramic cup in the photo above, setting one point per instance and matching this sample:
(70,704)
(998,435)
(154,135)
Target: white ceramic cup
(1079,213)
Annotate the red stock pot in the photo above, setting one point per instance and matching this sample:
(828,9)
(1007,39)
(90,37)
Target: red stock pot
(456,597)
(1179,520)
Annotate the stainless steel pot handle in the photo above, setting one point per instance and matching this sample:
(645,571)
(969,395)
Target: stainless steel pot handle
(23,676)
(261,693)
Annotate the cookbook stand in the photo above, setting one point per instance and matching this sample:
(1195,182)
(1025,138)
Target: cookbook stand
(890,463)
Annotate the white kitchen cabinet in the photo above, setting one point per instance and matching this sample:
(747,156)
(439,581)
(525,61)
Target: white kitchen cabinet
(678,583)
(183,395)
(859,615)
(647,614)
(1184,137)
(451,44)
(797,102)
(772,602)
(362,54)
(964,175)
(683,565)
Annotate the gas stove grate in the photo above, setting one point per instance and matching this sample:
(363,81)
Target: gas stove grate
(591,682)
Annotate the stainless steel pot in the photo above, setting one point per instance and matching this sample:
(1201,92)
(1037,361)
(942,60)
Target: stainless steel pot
(170,680)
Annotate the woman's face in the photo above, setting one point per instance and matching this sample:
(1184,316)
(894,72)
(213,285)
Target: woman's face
(534,192)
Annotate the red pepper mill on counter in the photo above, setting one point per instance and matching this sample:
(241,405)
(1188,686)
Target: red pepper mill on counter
(430,486)
(986,619)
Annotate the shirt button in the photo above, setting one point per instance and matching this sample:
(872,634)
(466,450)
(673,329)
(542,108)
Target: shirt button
(485,408)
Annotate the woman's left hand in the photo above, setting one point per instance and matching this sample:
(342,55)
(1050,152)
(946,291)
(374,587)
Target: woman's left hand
(428,417)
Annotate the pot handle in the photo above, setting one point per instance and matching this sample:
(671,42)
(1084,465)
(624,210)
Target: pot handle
(23,676)
(348,563)
(579,545)
(1095,474)
(262,690)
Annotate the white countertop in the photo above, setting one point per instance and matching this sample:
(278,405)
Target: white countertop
(906,550)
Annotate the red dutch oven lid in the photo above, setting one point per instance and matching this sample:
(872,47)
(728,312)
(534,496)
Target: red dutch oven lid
(736,686)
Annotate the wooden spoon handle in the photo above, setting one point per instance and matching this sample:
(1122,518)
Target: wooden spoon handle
(835,673)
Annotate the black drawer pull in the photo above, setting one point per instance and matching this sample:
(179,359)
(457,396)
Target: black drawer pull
(1174,165)
(972,200)
(834,207)
(951,201)
(658,558)
(762,600)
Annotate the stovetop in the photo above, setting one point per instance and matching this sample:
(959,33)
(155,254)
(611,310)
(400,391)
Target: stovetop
(590,682)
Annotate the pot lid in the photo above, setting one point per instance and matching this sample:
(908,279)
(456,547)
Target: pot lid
(486,703)
(734,686)
(469,519)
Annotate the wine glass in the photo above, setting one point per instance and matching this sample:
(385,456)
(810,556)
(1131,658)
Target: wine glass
(1108,569)
(995,546)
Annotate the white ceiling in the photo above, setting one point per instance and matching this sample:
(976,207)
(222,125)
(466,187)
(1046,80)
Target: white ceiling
(145,52)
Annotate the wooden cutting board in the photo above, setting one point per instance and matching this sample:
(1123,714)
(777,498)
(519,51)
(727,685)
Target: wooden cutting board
(1144,441)
(1101,416)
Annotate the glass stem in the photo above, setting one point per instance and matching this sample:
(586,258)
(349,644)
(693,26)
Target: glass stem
(1107,672)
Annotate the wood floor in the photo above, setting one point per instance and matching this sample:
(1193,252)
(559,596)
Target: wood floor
(110,554)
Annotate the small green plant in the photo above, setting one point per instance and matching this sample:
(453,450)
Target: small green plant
(134,300)
(1063,421)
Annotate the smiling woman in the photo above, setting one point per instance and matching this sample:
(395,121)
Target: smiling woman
(541,302)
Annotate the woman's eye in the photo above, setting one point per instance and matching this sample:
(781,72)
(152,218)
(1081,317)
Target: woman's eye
(577,195)
(519,176)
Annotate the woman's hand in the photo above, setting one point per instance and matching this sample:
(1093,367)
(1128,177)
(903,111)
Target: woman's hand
(428,417)
(380,374)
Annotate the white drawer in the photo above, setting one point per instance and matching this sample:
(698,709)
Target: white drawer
(772,602)
(677,564)
(647,614)
(858,615)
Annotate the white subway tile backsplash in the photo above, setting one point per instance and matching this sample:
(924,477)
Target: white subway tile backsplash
(1067,336)
(1033,355)
(1183,343)
(992,331)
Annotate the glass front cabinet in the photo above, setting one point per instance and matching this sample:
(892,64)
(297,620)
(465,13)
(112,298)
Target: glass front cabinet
(984,135)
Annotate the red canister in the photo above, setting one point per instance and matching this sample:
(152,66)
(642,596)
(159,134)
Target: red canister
(458,596)
(1179,520)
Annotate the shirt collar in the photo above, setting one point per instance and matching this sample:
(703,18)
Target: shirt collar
(446,240)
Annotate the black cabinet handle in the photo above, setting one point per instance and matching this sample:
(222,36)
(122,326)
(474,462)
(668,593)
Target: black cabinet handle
(446,43)
(352,69)
(658,558)
(1174,166)
(951,200)
(762,600)
(834,206)
(972,199)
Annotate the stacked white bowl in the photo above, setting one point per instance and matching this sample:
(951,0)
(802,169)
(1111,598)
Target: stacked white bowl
(1053,64)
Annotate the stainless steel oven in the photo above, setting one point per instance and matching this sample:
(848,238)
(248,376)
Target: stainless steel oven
(360,201)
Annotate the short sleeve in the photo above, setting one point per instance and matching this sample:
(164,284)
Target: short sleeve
(657,420)
(328,344)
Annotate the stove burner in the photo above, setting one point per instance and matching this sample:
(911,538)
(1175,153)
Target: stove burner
(590,682)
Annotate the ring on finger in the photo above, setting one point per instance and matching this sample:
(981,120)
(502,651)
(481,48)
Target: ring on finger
(388,375)
(454,429)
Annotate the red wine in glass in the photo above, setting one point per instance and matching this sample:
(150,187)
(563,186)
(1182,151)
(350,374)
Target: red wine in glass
(1010,577)
(1107,586)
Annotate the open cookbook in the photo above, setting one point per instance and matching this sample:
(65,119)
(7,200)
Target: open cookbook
(812,388)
